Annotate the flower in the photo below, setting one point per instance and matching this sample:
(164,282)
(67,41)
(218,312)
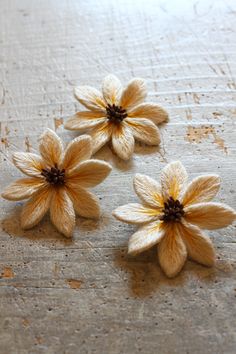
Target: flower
(119,115)
(172,214)
(57,182)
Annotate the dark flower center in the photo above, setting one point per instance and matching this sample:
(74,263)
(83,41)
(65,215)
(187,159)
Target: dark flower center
(54,175)
(173,210)
(115,114)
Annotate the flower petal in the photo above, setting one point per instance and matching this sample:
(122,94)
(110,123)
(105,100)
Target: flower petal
(149,111)
(62,212)
(144,130)
(85,120)
(89,174)
(90,97)
(35,209)
(78,150)
(22,189)
(199,246)
(201,189)
(135,213)
(111,89)
(146,237)
(172,251)
(100,135)
(210,216)
(123,141)
(148,190)
(173,179)
(133,94)
(28,163)
(51,147)
(85,203)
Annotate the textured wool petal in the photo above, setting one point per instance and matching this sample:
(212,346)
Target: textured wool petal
(134,94)
(36,207)
(135,213)
(78,150)
(111,89)
(210,216)
(85,203)
(146,237)
(100,136)
(28,163)
(89,173)
(144,130)
(172,252)
(62,212)
(85,120)
(22,189)
(199,246)
(148,190)
(149,111)
(123,141)
(173,179)
(90,97)
(51,147)
(201,189)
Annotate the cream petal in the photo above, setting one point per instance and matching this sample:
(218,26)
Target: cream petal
(173,179)
(111,89)
(123,141)
(62,212)
(149,111)
(89,174)
(135,213)
(85,120)
(90,97)
(85,203)
(134,94)
(172,251)
(36,207)
(210,216)
(144,130)
(201,189)
(100,136)
(22,189)
(28,163)
(78,150)
(51,147)
(146,237)
(148,190)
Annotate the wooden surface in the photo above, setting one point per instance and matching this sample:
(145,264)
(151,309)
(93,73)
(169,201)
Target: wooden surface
(86,295)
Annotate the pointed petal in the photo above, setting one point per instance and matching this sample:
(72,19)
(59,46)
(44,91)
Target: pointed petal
(146,237)
(90,97)
(111,89)
(85,120)
(210,216)
(149,111)
(100,135)
(89,174)
(122,141)
(50,147)
(144,130)
(134,94)
(78,150)
(135,213)
(62,212)
(148,190)
(172,252)
(173,179)
(22,189)
(28,163)
(35,209)
(201,189)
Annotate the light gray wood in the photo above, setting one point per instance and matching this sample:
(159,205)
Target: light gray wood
(86,295)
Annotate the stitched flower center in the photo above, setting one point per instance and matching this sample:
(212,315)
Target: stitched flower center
(173,210)
(115,114)
(54,175)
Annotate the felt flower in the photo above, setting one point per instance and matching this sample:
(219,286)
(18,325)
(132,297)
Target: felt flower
(172,215)
(119,115)
(57,181)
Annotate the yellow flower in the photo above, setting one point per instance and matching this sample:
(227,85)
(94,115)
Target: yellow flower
(119,115)
(173,213)
(57,182)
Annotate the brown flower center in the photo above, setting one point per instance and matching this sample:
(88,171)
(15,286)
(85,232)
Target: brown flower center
(54,175)
(115,114)
(173,210)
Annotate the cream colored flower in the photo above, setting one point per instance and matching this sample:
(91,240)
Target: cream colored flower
(57,181)
(172,214)
(119,115)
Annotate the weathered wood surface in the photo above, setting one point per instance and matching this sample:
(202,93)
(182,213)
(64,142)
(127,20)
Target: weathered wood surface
(86,295)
